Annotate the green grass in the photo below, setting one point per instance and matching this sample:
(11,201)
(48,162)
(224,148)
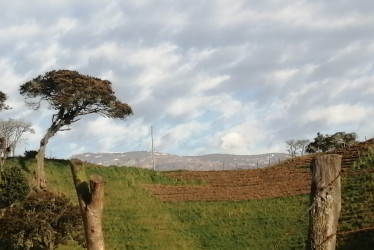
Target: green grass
(357,205)
(256,224)
(133,219)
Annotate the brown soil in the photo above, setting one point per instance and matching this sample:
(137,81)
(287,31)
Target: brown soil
(289,178)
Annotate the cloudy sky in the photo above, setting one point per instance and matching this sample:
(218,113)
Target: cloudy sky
(210,76)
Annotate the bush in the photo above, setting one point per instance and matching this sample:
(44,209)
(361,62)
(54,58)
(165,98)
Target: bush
(29,154)
(13,187)
(45,221)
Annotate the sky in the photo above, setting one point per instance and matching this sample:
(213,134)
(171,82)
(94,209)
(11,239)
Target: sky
(209,76)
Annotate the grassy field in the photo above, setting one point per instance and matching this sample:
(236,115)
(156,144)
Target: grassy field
(135,219)
(357,214)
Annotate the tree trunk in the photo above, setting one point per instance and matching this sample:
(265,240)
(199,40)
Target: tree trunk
(325,202)
(91,202)
(40,181)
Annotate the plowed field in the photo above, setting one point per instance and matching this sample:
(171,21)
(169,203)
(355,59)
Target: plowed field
(288,178)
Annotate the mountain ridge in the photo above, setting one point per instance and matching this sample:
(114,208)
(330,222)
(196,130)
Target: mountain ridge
(170,162)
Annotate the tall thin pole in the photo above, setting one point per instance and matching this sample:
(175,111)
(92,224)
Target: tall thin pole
(153,151)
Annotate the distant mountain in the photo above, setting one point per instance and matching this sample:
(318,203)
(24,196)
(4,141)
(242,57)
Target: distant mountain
(167,162)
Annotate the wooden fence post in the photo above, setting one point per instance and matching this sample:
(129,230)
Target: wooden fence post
(91,202)
(325,202)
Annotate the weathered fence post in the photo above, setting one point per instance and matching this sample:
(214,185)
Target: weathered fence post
(325,199)
(91,202)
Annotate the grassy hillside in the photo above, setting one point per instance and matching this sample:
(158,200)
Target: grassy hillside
(356,222)
(135,219)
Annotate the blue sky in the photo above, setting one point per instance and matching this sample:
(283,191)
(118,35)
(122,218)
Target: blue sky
(238,77)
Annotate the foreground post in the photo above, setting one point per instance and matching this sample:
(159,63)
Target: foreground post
(91,203)
(325,201)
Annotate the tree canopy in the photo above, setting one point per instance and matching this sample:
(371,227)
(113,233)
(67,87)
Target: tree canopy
(325,143)
(74,94)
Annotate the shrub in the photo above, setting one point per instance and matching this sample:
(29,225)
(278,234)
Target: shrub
(45,221)
(30,154)
(13,187)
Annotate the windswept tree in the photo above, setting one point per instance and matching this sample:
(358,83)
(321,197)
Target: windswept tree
(12,131)
(71,95)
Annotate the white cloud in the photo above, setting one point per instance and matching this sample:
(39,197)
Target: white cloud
(65,25)
(107,134)
(228,13)
(179,135)
(110,18)
(195,106)
(370,90)
(281,76)
(206,83)
(337,114)
(8,77)
(233,142)
(24,30)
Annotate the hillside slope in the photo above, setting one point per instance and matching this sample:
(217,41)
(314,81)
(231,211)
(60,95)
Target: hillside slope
(135,219)
(289,178)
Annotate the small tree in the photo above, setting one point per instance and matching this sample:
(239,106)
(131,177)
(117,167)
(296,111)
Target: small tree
(12,130)
(325,143)
(292,146)
(71,95)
